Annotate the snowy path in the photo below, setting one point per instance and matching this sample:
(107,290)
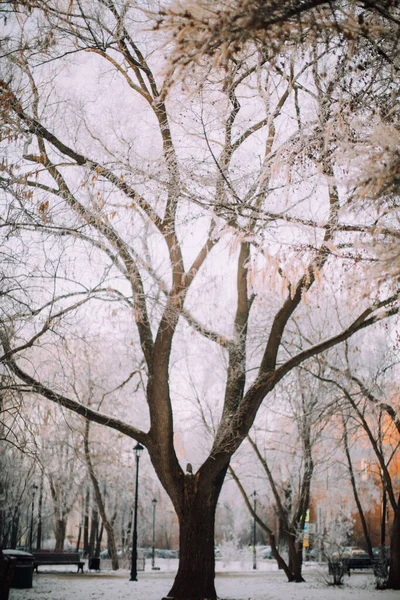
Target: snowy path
(268,584)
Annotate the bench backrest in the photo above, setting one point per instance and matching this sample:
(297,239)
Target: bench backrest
(56,556)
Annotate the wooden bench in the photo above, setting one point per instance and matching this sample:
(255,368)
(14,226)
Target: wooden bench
(51,557)
(360,562)
(355,562)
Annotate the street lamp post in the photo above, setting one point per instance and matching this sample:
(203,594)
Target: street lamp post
(138,449)
(254,531)
(153,548)
(34,488)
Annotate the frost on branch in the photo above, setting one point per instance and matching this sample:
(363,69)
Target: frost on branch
(222,30)
(376,183)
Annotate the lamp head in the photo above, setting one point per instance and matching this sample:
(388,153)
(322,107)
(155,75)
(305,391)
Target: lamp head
(138,449)
(154,501)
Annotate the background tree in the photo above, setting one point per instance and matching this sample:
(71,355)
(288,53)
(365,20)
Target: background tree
(106,522)
(287,452)
(379,421)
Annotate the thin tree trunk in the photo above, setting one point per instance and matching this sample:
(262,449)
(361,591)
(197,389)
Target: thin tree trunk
(14,529)
(293,571)
(299,519)
(99,500)
(281,563)
(3,531)
(78,543)
(98,541)
(123,530)
(60,534)
(86,524)
(383,518)
(272,540)
(40,508)
(394,571)
(93,530)
(355,493)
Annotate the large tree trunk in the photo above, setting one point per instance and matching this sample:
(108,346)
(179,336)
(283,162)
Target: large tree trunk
(295,557)
(60,533)
(196,573)
(394,570)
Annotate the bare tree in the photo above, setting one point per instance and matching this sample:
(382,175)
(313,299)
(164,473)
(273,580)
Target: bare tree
(115,210)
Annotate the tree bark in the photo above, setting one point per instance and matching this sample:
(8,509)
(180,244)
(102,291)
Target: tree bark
(383,518)
(78,543)
(94,526)
(60,534)
(295,557)
(394,569)
(196,573)
(367,537)
(100,505)
(86,524)
(40,507)
(281,563)
(98,542)
(14,529)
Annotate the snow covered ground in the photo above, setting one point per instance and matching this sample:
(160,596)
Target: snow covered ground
(234,581)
